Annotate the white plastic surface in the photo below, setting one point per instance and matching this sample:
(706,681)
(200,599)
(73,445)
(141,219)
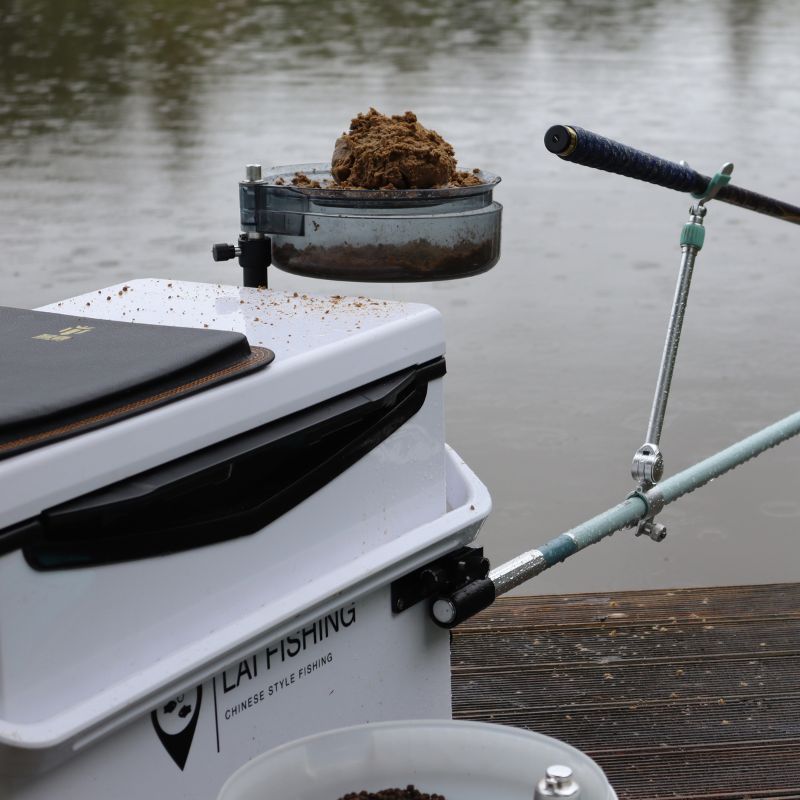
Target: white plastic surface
(87,655)
(381,666)
(460,760)
(121,632)
(135,621)
(29,746)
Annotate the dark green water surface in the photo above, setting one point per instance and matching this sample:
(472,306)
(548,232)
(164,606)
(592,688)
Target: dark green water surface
(125,126)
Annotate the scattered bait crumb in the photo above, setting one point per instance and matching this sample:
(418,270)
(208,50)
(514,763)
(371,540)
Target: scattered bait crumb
(304,182)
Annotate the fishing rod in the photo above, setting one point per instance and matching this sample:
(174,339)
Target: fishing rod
(571,143)
(641,506)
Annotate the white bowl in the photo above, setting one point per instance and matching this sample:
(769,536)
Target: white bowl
(460,760)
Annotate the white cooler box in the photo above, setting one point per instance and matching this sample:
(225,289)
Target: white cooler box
(158,674)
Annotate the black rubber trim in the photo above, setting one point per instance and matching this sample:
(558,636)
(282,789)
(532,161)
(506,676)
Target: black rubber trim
(228,490)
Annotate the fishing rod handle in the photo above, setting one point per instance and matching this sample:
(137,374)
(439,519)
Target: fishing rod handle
(571,143)
(580,146)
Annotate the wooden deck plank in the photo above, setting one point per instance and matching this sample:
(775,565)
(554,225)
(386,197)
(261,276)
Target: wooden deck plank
(690,693)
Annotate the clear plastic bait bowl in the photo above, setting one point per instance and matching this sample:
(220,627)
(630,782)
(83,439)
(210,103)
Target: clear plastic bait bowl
(373,235)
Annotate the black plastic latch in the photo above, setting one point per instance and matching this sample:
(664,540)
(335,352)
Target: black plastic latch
(444,576)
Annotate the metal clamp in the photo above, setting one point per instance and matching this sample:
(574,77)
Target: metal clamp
(722,178)
(648,465)
(442,577)
(654,502)
(652,499)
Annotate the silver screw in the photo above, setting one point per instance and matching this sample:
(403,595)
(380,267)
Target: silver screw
(658,532)
(557,783)
(558,774)
(655,530)
(252,172)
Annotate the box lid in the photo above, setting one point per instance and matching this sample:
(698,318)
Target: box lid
(325,345)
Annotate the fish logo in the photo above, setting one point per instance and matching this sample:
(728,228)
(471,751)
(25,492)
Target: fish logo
(175,723)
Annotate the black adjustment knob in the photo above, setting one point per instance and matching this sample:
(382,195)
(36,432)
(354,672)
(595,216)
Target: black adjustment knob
(223,252)
(431,579)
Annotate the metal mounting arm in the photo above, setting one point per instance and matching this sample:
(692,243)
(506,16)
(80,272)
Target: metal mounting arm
(648,462)
(253,250)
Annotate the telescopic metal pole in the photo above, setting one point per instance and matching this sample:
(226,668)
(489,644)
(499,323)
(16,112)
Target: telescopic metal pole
(449,611)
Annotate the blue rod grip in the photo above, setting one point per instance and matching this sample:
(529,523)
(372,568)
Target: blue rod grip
(575,144)
(571,143)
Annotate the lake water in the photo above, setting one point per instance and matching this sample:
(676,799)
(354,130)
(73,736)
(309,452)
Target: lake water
(125,127)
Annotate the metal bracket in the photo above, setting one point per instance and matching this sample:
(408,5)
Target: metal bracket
(444,576)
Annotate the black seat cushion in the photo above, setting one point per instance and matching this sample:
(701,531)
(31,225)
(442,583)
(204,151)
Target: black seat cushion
(62,375)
